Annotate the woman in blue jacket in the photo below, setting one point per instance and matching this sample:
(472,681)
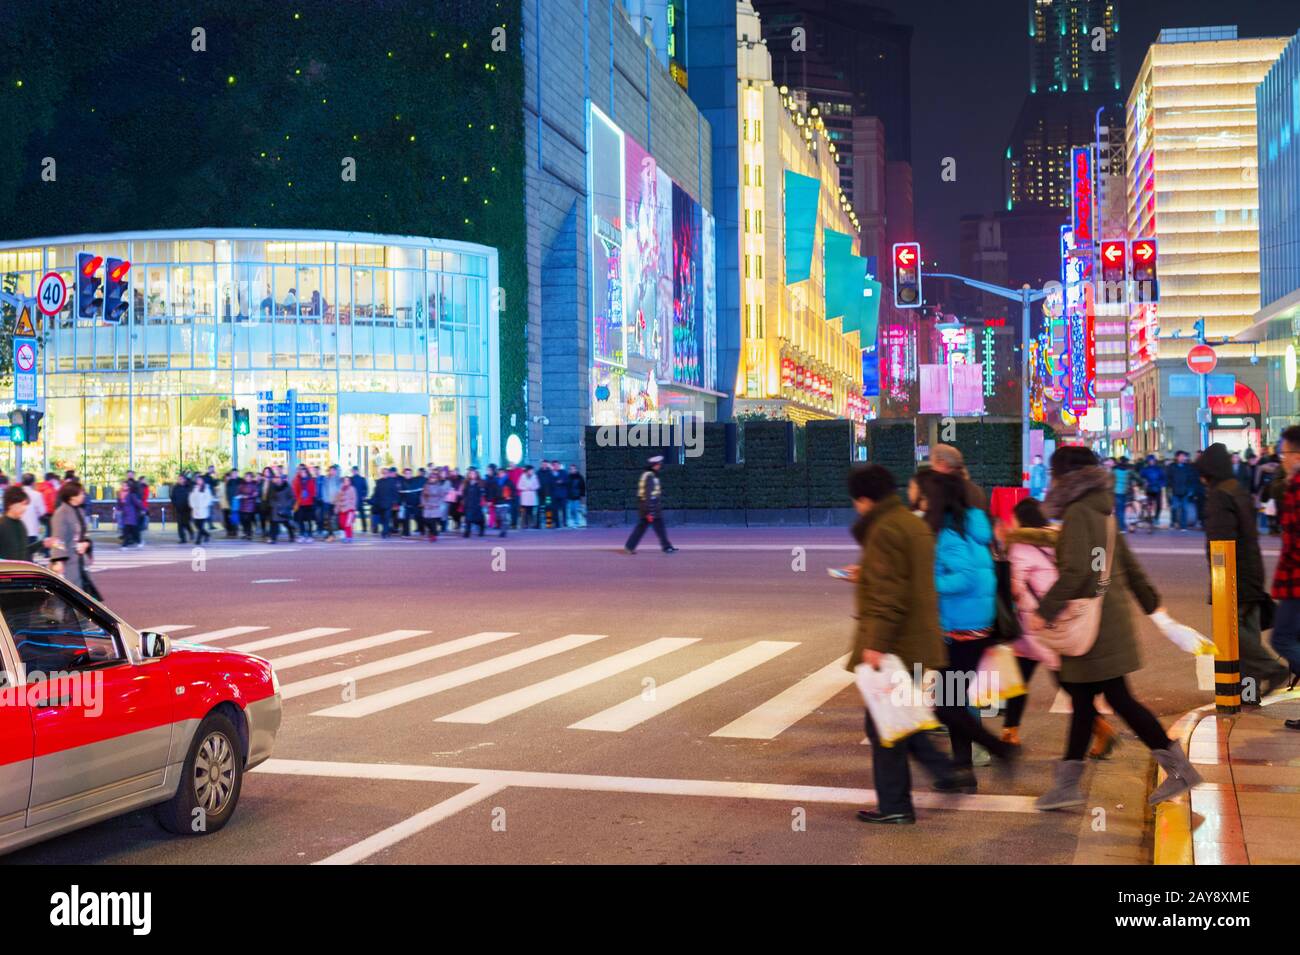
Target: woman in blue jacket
(967,585)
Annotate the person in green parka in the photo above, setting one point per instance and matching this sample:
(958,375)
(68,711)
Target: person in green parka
(1082,496)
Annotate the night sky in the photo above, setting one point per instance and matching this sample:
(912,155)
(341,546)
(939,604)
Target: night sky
(970,73)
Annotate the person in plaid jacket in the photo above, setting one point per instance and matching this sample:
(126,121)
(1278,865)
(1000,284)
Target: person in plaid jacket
(1286,578)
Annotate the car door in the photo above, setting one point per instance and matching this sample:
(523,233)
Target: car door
(16,742)
(101,722)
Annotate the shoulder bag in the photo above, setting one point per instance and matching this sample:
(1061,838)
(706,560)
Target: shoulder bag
(1075,629)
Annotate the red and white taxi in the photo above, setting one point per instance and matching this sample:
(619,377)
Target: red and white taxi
(98,719)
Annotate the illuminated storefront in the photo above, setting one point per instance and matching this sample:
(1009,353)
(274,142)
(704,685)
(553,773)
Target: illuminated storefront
(389,341)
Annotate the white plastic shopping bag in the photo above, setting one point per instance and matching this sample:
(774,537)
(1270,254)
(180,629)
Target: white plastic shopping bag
(997,678)
(897,706)
(1205,672)
(1183,636)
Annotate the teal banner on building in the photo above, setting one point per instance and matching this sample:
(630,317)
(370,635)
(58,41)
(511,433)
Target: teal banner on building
(843,278)
(801,195)
(869,313)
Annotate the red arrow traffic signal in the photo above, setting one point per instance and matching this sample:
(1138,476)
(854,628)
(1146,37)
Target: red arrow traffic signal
(907,275)
(1113,252)
(1143,251)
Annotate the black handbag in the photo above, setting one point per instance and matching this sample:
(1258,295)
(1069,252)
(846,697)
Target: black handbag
(1006,626)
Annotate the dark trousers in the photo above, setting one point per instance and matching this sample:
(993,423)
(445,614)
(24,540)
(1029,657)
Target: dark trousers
(306,515)
(1140,720)
(1155,498)
(84,581)
(964,727)
(183,524)
(201,530)
(380,519)
(232,526)
(1260,670)
(275,530)
(1015,709)
(640,529)
(891,773)
(130,534)
(1286,633)
(559,509)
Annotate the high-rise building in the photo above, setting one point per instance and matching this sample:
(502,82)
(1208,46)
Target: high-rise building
(1192,161)
(1074,46)
(795,363)
(851,60)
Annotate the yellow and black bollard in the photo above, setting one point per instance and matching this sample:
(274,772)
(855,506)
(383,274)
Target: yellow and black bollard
(1227,652)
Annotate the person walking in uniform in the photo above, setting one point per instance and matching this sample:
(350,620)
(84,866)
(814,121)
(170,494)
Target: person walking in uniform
(648,492)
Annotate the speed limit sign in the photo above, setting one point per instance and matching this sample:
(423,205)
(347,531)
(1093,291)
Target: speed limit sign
(51,294)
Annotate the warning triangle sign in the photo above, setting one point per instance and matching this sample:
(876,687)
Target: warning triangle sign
(24,329)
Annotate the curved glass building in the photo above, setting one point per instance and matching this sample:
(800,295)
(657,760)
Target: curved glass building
(345,348)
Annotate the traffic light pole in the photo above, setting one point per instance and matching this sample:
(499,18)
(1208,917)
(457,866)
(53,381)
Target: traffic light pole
(1204,413)
(1026,297)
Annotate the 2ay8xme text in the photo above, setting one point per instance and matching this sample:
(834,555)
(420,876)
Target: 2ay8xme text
(1193,897)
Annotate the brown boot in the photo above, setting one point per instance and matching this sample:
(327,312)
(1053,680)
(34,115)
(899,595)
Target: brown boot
(1011,734)
(1104,739)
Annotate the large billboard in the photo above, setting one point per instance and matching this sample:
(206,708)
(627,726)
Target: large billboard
(653,301)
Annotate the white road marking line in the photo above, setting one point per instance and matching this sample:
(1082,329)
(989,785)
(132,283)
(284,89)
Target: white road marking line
(509,703)
(420,689)
(385,838)
(225,634)
(721,789)
(770,719)
(348,646)
(1062,704)
(629,713)
(295,637)
(389,664)
(276,580)
(168,628)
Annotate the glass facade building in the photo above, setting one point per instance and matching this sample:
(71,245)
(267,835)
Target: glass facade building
(389,342)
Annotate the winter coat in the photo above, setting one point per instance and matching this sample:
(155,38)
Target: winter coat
(528,486)
(577,487)
(200,502)
(559,486)
(282,499)
(433,500)
(649,491)
(13,540)
(385,497)
(360,485)
(329,488)
(1085,499)
(129,508)
(1230,516)
(1032,553)
(250,493)
(1153,476)
(304,490)
(347,497)
(180,495)
(1180,479)
(473,496)
(964,577)
(897,608)
(68,529)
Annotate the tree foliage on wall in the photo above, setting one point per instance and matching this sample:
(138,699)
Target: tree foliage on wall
(158,115)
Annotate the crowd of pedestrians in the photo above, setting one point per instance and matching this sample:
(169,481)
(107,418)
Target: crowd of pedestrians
(312,504)
(47,517)
(936,584)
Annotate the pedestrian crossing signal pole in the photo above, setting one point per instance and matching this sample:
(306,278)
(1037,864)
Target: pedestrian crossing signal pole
(1227,651)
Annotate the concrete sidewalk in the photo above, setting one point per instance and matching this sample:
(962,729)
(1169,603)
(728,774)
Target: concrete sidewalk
(1248,810)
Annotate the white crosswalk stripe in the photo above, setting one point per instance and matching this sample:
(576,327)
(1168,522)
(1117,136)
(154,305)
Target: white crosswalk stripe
(340,678)
(168,628)
(509,703)
(298,636)
(339,649)
(788,707)
(165,554)
(212,636)
(639,709)
(446,681)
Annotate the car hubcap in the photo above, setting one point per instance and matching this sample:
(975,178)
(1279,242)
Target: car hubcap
(214,773)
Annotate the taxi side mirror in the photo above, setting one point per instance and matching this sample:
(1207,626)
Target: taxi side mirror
(154,646)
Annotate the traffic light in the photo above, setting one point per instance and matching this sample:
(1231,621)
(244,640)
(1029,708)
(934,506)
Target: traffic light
(241,421)
(115,290)
(18,426)
(1114,272)
(88,283)
(907,274)
(1146,283)
(32,425)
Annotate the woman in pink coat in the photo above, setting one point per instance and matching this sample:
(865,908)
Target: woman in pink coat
(1031,548)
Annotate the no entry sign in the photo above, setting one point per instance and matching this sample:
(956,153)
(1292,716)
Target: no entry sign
(1202,359)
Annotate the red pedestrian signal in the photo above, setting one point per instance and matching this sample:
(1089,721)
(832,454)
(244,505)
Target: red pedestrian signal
(1146,281)
(907,275)
(1114,272)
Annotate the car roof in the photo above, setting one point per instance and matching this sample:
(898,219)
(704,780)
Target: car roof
(22,567)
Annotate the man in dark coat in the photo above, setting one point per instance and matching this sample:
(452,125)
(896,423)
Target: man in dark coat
(897,613)
(362,487)
(649,502)
(180,498)
(1229,516)
(545,481)
(384,500)
(1180,479)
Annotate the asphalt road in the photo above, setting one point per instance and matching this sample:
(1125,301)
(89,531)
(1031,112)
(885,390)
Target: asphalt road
(545,699)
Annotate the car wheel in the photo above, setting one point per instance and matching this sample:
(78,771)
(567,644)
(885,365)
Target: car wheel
(211,777)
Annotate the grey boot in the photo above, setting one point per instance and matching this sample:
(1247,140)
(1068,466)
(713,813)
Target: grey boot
(1065,792)
(1180,774)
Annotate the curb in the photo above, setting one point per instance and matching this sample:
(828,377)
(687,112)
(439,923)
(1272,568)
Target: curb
(1173,823)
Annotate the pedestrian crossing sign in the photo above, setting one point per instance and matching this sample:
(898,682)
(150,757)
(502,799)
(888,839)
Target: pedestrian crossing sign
(24,328)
